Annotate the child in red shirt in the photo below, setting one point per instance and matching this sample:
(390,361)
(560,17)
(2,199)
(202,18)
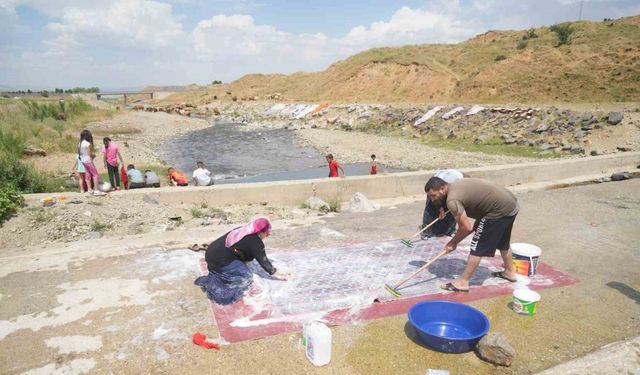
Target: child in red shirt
(374,165)
(334,166)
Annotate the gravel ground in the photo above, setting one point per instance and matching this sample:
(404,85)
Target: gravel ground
(349,147)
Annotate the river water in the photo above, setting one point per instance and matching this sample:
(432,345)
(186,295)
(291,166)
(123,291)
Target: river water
(234,155)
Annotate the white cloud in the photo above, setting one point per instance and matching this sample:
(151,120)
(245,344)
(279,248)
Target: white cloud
(408,26)
(236,41)
(130,23)
(137,42)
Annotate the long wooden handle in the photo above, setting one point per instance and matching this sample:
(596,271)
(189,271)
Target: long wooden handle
(420,269)
(428,226)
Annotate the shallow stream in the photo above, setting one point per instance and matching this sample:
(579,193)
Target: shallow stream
(234,155)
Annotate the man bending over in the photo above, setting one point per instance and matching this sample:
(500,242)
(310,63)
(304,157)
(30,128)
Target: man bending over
(494,209)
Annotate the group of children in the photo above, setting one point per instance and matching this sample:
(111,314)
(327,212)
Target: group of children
(334,166)
(131,178)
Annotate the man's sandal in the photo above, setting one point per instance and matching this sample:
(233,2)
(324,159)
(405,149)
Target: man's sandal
(452,288)
(502,276)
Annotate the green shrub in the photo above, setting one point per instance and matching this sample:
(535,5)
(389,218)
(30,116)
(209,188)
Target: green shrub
(563,32)
(334,204)
(97,226)
(13,171)
(522,44)
(500,58)
(60,110)
(10,201)
(531,34)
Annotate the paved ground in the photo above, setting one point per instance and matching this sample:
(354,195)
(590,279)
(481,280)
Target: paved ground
(129,306)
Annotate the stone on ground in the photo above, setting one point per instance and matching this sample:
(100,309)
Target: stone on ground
(318,204)
(614,118)
(495,348)
(360,203)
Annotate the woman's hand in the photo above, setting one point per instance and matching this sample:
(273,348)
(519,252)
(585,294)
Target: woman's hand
(284,276)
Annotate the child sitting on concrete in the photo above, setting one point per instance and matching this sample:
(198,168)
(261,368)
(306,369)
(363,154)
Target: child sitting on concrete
(202,176)
(151,179)
(177,178)
(136,181)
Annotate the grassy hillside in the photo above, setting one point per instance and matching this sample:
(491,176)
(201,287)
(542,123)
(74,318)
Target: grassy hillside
(602,63)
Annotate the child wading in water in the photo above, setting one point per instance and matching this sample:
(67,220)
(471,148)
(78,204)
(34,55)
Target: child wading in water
(111,156)
(86,154)
(374,164)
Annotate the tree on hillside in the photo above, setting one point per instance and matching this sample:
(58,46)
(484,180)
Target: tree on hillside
(216,82)
(563,32)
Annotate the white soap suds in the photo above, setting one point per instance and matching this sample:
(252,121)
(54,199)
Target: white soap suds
(75,367)
(74,344)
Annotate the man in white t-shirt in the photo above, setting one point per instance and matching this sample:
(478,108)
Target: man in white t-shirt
(447,225)
(201,176)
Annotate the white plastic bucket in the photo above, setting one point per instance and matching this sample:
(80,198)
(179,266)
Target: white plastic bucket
(525,301)
(316,337)
(525,258)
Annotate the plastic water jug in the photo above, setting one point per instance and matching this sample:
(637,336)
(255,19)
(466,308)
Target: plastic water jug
(316,337)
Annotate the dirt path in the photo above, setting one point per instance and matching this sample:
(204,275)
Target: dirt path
(395,152)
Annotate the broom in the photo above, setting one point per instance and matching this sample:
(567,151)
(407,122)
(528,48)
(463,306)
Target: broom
(408,242)
(394,291)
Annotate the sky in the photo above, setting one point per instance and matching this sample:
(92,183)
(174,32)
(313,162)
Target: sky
(115,44)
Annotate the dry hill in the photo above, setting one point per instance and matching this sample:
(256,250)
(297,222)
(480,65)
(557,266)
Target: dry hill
(602,63)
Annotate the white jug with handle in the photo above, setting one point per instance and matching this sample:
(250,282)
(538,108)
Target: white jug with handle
(316,337)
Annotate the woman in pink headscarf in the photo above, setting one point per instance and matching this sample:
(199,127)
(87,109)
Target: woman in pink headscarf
(229,277)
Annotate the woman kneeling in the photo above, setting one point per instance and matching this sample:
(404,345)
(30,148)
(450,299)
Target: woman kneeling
(229,277)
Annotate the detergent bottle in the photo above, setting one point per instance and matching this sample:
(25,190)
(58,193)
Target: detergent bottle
(316,337)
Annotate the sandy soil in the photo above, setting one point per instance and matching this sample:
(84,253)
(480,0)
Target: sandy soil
(396,152)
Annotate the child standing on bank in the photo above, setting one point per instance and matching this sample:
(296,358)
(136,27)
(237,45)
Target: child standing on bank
(86,153)
(334,166)
(111,156)
(374,164)
(77,168)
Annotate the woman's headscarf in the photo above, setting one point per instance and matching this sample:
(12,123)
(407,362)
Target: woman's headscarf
(258,225)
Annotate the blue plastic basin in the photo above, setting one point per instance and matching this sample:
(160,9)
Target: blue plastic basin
(449,327)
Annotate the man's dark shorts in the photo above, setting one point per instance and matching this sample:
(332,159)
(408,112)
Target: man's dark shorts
(491,234)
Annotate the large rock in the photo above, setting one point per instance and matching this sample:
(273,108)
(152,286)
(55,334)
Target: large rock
(542,128)
(620,176)
(318,204)
(32,151)
(614,118)
(494,348)
(360,203)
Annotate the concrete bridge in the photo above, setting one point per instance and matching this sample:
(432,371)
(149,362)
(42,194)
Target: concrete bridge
(124,93)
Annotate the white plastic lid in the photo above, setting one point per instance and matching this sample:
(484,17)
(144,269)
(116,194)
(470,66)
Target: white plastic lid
(526,295)
(526,249)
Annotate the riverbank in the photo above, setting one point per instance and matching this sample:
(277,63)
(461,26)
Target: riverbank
(139,135)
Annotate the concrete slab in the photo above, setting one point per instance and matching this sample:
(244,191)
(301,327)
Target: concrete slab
(135,307)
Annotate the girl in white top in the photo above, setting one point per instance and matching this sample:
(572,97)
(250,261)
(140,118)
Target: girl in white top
(86,154)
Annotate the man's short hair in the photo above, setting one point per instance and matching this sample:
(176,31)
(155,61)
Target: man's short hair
(434,183)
